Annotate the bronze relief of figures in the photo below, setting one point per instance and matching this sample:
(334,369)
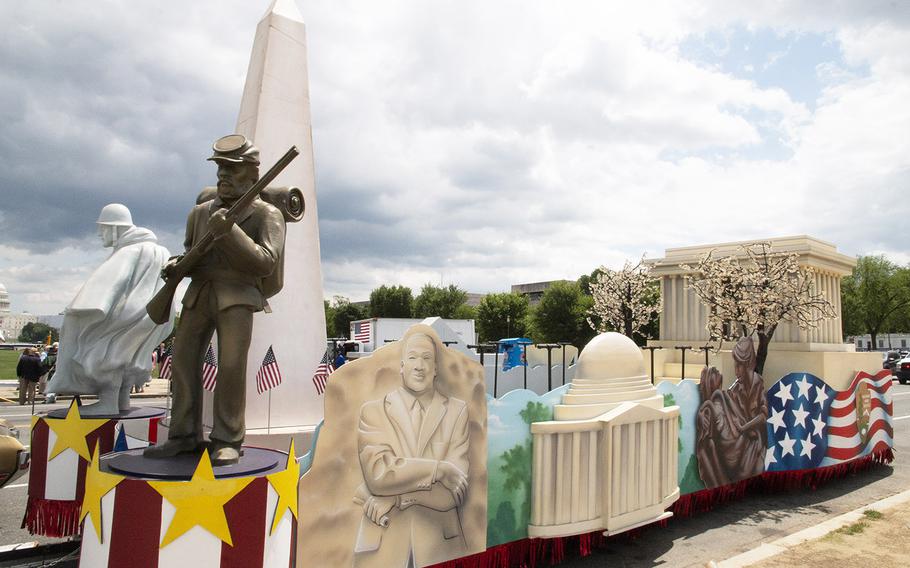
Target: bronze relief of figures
(731,432)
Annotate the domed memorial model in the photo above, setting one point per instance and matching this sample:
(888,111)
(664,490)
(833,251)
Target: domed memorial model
(107,338)
(608,461)
(611,371)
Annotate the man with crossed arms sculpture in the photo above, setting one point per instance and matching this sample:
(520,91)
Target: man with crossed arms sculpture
(413,449)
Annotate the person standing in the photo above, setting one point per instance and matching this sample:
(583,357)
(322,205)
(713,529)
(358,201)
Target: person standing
(51,365)
(232,281)
(29,371)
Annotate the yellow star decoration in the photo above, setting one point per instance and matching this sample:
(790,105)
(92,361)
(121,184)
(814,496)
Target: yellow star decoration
(97,485)
(71,432)
(200,501)
(285,484)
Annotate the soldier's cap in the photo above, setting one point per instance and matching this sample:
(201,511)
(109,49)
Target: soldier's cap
(236,149)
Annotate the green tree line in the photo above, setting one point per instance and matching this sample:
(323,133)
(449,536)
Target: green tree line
(876,298)
(561,314)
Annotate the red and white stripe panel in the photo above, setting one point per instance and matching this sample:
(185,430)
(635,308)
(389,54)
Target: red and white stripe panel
(63,477)
(135,518)
(56,486)
(844,440)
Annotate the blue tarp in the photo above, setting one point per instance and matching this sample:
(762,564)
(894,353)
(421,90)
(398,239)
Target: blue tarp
(513,352)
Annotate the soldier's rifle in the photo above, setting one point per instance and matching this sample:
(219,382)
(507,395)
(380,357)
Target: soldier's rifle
(159,308)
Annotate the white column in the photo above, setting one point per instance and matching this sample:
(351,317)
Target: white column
(829,323)
(839,321)
(674,329)
(686,324)
(814,333)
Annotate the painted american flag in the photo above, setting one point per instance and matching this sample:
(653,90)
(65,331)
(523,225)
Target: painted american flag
(164,370)
(209,370)
(269,375)
(323,371)
(860,421)
(362,331)
(798,406)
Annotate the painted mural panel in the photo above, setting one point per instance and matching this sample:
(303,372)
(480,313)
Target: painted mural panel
(685,394)
(813,425)
(731,436)
(509,460)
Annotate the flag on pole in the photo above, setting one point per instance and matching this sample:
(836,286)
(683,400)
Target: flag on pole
(363,330)
(323,371)
(164,368)
(268,376)
(209,370)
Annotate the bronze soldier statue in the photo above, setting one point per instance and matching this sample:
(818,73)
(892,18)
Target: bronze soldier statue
(230,281)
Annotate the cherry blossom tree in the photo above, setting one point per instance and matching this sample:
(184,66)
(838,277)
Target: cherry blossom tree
(625,300)
(751,293)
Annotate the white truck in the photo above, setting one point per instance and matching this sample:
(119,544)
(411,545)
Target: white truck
(371,334)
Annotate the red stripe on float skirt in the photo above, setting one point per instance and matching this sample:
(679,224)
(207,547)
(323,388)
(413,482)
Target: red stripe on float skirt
(137,525)
(246,517)
(37,470)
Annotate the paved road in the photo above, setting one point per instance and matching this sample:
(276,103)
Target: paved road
(725,532)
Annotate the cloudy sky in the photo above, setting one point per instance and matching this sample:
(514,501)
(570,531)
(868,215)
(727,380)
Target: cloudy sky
(469,142)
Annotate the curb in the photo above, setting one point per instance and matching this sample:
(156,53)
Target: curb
(770,549)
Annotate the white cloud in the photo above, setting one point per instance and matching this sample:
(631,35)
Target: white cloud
(475,143)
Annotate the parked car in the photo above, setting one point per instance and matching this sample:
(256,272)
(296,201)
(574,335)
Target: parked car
(902,370)
(14,458)
(891,359)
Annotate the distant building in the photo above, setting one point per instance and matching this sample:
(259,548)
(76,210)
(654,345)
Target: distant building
(534,290)
(883,342)
(12,324)
(4,300)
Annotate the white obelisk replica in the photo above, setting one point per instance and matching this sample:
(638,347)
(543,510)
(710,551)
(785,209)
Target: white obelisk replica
(275,114)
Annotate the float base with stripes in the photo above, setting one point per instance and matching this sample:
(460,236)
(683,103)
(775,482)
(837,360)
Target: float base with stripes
(196,516)
(62,443)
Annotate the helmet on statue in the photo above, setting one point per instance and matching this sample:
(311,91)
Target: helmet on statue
(115,214)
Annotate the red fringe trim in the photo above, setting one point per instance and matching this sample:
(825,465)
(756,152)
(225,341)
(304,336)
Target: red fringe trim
(770,481)
(530,553)
(52,518)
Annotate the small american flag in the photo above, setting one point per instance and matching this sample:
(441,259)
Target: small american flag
(323,371)
(268,376)
(362,331)
(209,370)
(164,371)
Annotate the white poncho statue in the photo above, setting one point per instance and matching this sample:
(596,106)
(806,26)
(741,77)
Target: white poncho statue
(107,338)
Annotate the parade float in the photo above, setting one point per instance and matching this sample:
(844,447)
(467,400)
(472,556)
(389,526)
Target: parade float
(409,458)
